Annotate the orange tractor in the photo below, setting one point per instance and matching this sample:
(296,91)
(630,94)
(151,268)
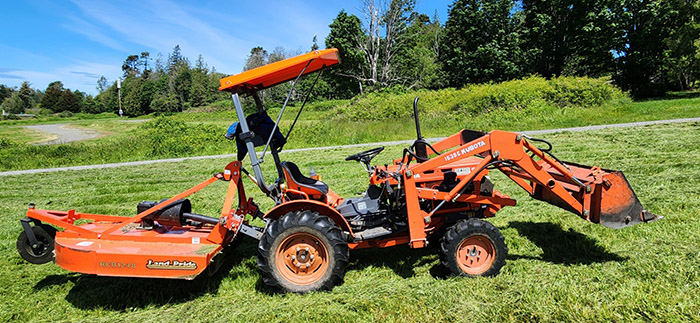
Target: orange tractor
(440,190)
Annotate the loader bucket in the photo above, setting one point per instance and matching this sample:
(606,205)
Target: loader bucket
(613,202)
(619,206)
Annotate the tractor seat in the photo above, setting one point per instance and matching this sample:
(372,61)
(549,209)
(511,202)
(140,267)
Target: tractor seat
(296,180)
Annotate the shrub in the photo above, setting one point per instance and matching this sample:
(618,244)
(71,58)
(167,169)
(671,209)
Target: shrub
(532,91)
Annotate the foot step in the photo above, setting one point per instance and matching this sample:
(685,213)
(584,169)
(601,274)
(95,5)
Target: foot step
(375,233)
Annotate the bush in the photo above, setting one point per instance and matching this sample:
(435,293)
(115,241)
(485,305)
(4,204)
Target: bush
(65,114)
(532,91)
(11,117)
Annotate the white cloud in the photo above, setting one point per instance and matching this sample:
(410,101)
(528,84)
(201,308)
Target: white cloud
(93,33)
(160,25)
(81,75)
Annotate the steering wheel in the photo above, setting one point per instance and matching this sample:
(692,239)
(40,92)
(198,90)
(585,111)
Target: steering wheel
(365,156)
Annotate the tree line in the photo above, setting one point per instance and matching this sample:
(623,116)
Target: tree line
(645,47)
(148,85)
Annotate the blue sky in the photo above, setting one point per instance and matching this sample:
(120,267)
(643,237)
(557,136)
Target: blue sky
(77,41)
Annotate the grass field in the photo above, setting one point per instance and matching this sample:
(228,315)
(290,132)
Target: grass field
(202,133)
(559,268)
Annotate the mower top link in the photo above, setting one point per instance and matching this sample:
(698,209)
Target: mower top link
(438,193)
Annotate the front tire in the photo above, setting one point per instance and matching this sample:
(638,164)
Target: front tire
(472,248)
(301,252)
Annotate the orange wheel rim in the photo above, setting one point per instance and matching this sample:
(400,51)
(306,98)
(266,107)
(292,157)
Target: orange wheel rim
(476,254)
(301,259)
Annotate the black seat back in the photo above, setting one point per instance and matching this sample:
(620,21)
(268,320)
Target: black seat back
(301,180)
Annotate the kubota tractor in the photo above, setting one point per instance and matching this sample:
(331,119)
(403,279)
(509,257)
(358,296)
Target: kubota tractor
(439,190)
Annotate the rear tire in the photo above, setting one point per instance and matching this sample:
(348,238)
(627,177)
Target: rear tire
(472,248)
(303,252)
(43,253)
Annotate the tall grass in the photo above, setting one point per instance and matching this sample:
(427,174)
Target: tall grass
(474,100)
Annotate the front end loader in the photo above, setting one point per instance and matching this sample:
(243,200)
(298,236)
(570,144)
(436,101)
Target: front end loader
(438,192)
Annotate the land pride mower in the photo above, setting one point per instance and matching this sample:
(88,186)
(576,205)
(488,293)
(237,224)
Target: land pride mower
(433,192)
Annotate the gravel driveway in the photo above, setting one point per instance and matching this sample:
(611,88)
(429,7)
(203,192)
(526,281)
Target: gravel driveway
(64,132)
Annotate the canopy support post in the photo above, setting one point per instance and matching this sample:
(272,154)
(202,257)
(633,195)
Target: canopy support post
(249,143)
(284,106)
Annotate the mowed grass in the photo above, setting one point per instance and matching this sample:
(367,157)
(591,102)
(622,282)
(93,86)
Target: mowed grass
(559,267)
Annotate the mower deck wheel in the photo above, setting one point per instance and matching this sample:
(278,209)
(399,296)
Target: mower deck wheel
(473,247)
(43,251)
(301,252)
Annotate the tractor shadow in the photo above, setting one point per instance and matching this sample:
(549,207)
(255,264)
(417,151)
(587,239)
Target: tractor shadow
(401,259)
(562,247)
(121,293)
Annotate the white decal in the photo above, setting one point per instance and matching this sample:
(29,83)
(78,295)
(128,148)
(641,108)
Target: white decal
(172,264)
(361,206)
(463,171)
(465,150)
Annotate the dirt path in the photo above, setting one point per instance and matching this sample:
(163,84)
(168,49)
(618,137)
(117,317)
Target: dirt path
(386,143)
(64,133)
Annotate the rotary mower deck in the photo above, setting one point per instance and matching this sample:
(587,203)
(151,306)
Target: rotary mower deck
(440,191)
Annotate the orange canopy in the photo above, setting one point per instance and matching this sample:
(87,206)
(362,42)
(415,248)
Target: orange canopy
(275,73)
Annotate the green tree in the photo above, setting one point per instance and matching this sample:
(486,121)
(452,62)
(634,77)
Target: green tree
(90,105)
(52,95)
(480,42)
(68,102)
(164,103)
(143,62)
(417,61)
(107,100)
(5,92)
(131,66)
(257,57)
(683,51)
(394,22)
(13,104)
(101,84)
(314,46)
(345,32)
(321,89)
(25,94)
(571,37)
(175,59)
(642,68)
(181,85)
(200,91)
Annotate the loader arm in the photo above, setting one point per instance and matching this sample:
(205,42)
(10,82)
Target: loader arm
(595,194)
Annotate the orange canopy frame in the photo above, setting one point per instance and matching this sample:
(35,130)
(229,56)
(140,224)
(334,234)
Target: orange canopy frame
(272,74)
